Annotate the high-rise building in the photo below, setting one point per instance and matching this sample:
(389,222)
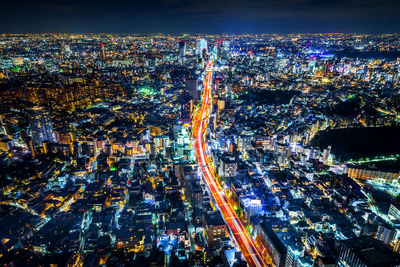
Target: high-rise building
(182,50)
(192,85)
(326,154)
(366,251)
(215,229)
(228,165)
(102,52)
(221,105)
(186,102)
(272,243)
(65,49)
(386,233)
(41,125)
(244,142)
(201,46)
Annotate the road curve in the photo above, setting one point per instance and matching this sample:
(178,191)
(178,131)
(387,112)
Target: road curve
(200,121)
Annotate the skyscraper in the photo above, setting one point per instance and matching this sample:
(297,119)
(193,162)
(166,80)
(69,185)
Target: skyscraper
(201,46)
(41,125)
(102,52)
(186,102)
(182,49)
(192,85)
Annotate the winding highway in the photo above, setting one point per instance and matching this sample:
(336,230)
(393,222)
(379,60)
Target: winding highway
(238,230)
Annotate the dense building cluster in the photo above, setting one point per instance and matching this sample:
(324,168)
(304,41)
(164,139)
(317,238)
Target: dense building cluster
(97,163)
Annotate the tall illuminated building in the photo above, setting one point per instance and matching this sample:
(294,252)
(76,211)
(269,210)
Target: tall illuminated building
(41,126)
(201,47)
(102,52)
(182,49)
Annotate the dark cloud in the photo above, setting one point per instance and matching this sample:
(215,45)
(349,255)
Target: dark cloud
(201,16)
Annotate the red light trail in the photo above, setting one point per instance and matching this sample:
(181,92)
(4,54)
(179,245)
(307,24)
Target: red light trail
(238,230)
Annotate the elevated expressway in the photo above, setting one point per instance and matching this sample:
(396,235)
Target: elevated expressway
(236,227)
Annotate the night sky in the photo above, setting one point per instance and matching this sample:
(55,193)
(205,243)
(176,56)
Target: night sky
(195,16)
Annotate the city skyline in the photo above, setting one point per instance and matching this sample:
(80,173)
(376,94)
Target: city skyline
(200,150)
